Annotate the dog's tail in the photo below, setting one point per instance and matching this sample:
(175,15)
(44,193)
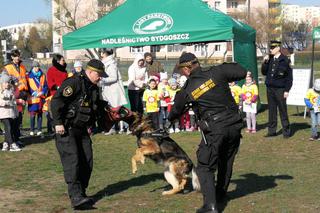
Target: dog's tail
(195,180)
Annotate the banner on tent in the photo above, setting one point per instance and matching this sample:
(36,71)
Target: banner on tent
(301,80)
(124,40)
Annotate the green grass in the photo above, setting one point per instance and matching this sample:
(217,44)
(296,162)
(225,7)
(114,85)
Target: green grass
(270,175)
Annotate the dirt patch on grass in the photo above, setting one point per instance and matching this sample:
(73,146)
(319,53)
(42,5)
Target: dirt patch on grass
(10,198)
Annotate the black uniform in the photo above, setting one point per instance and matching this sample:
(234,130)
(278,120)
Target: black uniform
(211,99)
(278,80)
(74,106)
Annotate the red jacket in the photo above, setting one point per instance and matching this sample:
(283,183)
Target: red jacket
(55,78)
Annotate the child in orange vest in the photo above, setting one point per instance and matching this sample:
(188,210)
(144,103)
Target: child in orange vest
(38,89)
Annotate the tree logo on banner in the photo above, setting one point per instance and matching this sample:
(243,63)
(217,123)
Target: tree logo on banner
(153,23)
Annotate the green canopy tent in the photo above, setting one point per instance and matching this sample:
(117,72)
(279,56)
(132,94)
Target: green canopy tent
(159,22)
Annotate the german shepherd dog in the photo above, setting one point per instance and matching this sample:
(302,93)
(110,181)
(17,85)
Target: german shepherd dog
(158,146)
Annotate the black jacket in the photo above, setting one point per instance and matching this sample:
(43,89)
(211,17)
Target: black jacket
(278,73)
(74,92)
(208,91)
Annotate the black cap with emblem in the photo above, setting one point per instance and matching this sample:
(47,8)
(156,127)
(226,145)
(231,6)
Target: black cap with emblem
(187,59)
(97,66)
(274,44)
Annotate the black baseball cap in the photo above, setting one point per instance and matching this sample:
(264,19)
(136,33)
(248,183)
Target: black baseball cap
(187,59)
(97,66)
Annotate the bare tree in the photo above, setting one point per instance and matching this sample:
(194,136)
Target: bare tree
(70,19)
(294,35)
(258,20)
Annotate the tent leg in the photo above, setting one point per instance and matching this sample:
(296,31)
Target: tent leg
(232,43)
(305,113)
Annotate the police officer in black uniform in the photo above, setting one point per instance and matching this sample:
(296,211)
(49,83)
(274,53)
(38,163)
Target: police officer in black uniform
(278,73)
(74,109)
(207,91)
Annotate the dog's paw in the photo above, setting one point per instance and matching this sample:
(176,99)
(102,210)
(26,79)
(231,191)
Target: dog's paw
(134,171)
(166,193)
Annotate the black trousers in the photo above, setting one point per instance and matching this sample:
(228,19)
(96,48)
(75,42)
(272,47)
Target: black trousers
(16,125)
(277,101)
(75,150)
(135,98)
(218,154)
(8,135)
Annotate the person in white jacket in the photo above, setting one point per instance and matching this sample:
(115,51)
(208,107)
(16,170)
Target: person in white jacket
(8,111)
(112,86)
(136,83)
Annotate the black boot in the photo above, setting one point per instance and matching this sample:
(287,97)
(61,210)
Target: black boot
(207,208)
(81,202)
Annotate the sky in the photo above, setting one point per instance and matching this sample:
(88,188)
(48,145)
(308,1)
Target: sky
(302,2)
(24,11)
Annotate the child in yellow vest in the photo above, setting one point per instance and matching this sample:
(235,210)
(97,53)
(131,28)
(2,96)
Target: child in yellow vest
(312,101)
(250,97)
(236,93)
(151,103)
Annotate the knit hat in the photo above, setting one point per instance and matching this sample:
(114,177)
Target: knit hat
(316,85)
(172,82)
(4,78)
(35,64)
(163,75)
(97,66)
(77,64)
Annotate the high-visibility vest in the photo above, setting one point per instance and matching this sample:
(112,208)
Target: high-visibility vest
(34,87)
(45,107)
(21,76)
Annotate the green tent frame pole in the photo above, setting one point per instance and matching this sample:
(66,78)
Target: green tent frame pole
(312,59)
(232,44)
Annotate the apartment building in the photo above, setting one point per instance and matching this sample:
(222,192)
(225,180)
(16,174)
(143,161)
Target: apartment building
(24,28)
(298,14)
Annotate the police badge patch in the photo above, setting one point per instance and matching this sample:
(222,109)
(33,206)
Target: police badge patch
(68,91)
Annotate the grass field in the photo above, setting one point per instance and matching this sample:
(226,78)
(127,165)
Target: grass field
(270,175)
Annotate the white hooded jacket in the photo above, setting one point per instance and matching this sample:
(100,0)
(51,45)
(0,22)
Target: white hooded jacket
(112,86)
(137,76)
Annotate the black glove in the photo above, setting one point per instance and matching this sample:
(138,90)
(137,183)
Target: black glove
(23,95)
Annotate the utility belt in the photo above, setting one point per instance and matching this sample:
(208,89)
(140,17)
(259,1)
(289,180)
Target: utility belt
(213,120)
(78,118)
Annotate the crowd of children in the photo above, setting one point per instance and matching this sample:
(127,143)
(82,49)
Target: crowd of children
(158,99)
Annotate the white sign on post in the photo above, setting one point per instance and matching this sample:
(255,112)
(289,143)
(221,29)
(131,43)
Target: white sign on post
(300,85)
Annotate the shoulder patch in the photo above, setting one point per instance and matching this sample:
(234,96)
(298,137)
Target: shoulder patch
(68,91)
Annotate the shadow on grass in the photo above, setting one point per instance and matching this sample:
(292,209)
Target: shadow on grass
(36,139)
(295,127)
(263,107)
(126,184)
(252,183)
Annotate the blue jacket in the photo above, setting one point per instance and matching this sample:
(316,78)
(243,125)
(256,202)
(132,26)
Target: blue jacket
(278,73)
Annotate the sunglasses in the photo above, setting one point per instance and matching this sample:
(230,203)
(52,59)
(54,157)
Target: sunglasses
(272,47)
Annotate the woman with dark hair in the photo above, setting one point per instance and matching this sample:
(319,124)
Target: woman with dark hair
(56,74)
